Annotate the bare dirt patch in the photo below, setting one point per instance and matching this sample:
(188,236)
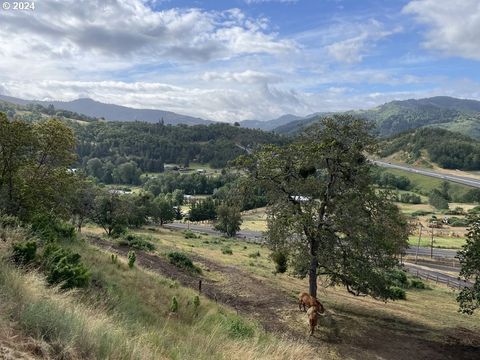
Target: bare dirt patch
(342,331)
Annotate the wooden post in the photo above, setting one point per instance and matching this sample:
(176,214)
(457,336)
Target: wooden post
(418,244)
(200,286)
(431,246)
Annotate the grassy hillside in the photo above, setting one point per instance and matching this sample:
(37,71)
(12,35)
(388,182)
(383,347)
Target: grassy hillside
(447,149)
(398,116)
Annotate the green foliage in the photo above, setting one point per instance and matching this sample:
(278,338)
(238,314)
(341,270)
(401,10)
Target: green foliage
(136,242)
(448,149)
(417,284)
(24,252)
(50,229)
(163,210)
(472,196)
(227,250)
(469,257)
(388,180)
(34,159)
(398,278)
(437,200)
(334,216)
(183,261)
(239,329)
(196,301)
(112,213)
(280,258)
(203,210)
(408,198)
(114,258)
(64,267)
(174,305)
(229,219)
(254,255)
(189,234)
(397,293)
(457,222)
(132,257)
(421,213)
(9,221)
(152,145)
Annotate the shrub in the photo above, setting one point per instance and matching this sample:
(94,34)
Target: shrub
(114,258)
(132,257)
(64,267)
(189,234)
(397,293)
(24,252)
(399,278)
(136,242)
(51,229)
(183,261)
(196,301)
(227,250)
(280,259)
(238,328)
(254,255)
(174,305)
(417,284)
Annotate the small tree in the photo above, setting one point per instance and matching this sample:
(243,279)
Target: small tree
(174,305)
(164,211)
(82,203)
(131,258)
(469,257)
(437,200)
(111,213)
(229,219)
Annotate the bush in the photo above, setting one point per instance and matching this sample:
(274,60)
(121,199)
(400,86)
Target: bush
(280,259)
(189,234)
(417,284)
(399,278)
(239,329)
(24,252)
(227,250)
(397,293)
(174,305)
(136,242)
(114,258)
(196,301)
(132,257)
(254,255)
(64,267)
(457,222)
(51,229)
(183,261)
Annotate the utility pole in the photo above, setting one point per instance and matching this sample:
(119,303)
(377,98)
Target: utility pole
(419,239)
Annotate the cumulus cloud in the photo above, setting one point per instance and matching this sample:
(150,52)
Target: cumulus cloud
(114,34)
(453,27)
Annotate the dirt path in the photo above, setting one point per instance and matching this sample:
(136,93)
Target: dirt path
(277,311)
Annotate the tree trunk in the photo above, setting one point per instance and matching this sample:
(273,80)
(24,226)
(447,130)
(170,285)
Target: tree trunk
(312,276)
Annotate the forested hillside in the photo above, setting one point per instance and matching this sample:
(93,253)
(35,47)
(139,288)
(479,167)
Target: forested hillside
(149,146)
(392,118)
(448,149)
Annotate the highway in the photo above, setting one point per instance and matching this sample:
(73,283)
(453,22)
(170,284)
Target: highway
(454,178)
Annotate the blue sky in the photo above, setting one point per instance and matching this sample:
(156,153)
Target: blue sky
(241,59)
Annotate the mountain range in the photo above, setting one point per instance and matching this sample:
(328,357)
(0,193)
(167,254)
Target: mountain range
(458,115)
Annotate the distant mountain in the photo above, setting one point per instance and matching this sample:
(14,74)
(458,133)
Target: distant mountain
(269,125)
(459,115)
(113,112)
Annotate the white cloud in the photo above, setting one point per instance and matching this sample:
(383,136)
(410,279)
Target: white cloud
(357,40)
(453,27)
(99,35)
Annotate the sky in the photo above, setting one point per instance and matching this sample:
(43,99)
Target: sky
(231,60)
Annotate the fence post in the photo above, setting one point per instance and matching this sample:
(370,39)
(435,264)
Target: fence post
(200,286)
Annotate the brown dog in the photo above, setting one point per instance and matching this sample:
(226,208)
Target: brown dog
(306,301)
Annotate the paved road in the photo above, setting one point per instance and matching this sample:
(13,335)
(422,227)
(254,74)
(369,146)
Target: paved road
(454,178)
(435,275)
(424,251)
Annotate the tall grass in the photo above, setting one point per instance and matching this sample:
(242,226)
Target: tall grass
(125,315)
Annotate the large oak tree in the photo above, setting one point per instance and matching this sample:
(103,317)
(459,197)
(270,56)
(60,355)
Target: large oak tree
(324,211)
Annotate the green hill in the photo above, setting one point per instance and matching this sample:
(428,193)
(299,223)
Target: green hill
(447,149)
(392,118)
